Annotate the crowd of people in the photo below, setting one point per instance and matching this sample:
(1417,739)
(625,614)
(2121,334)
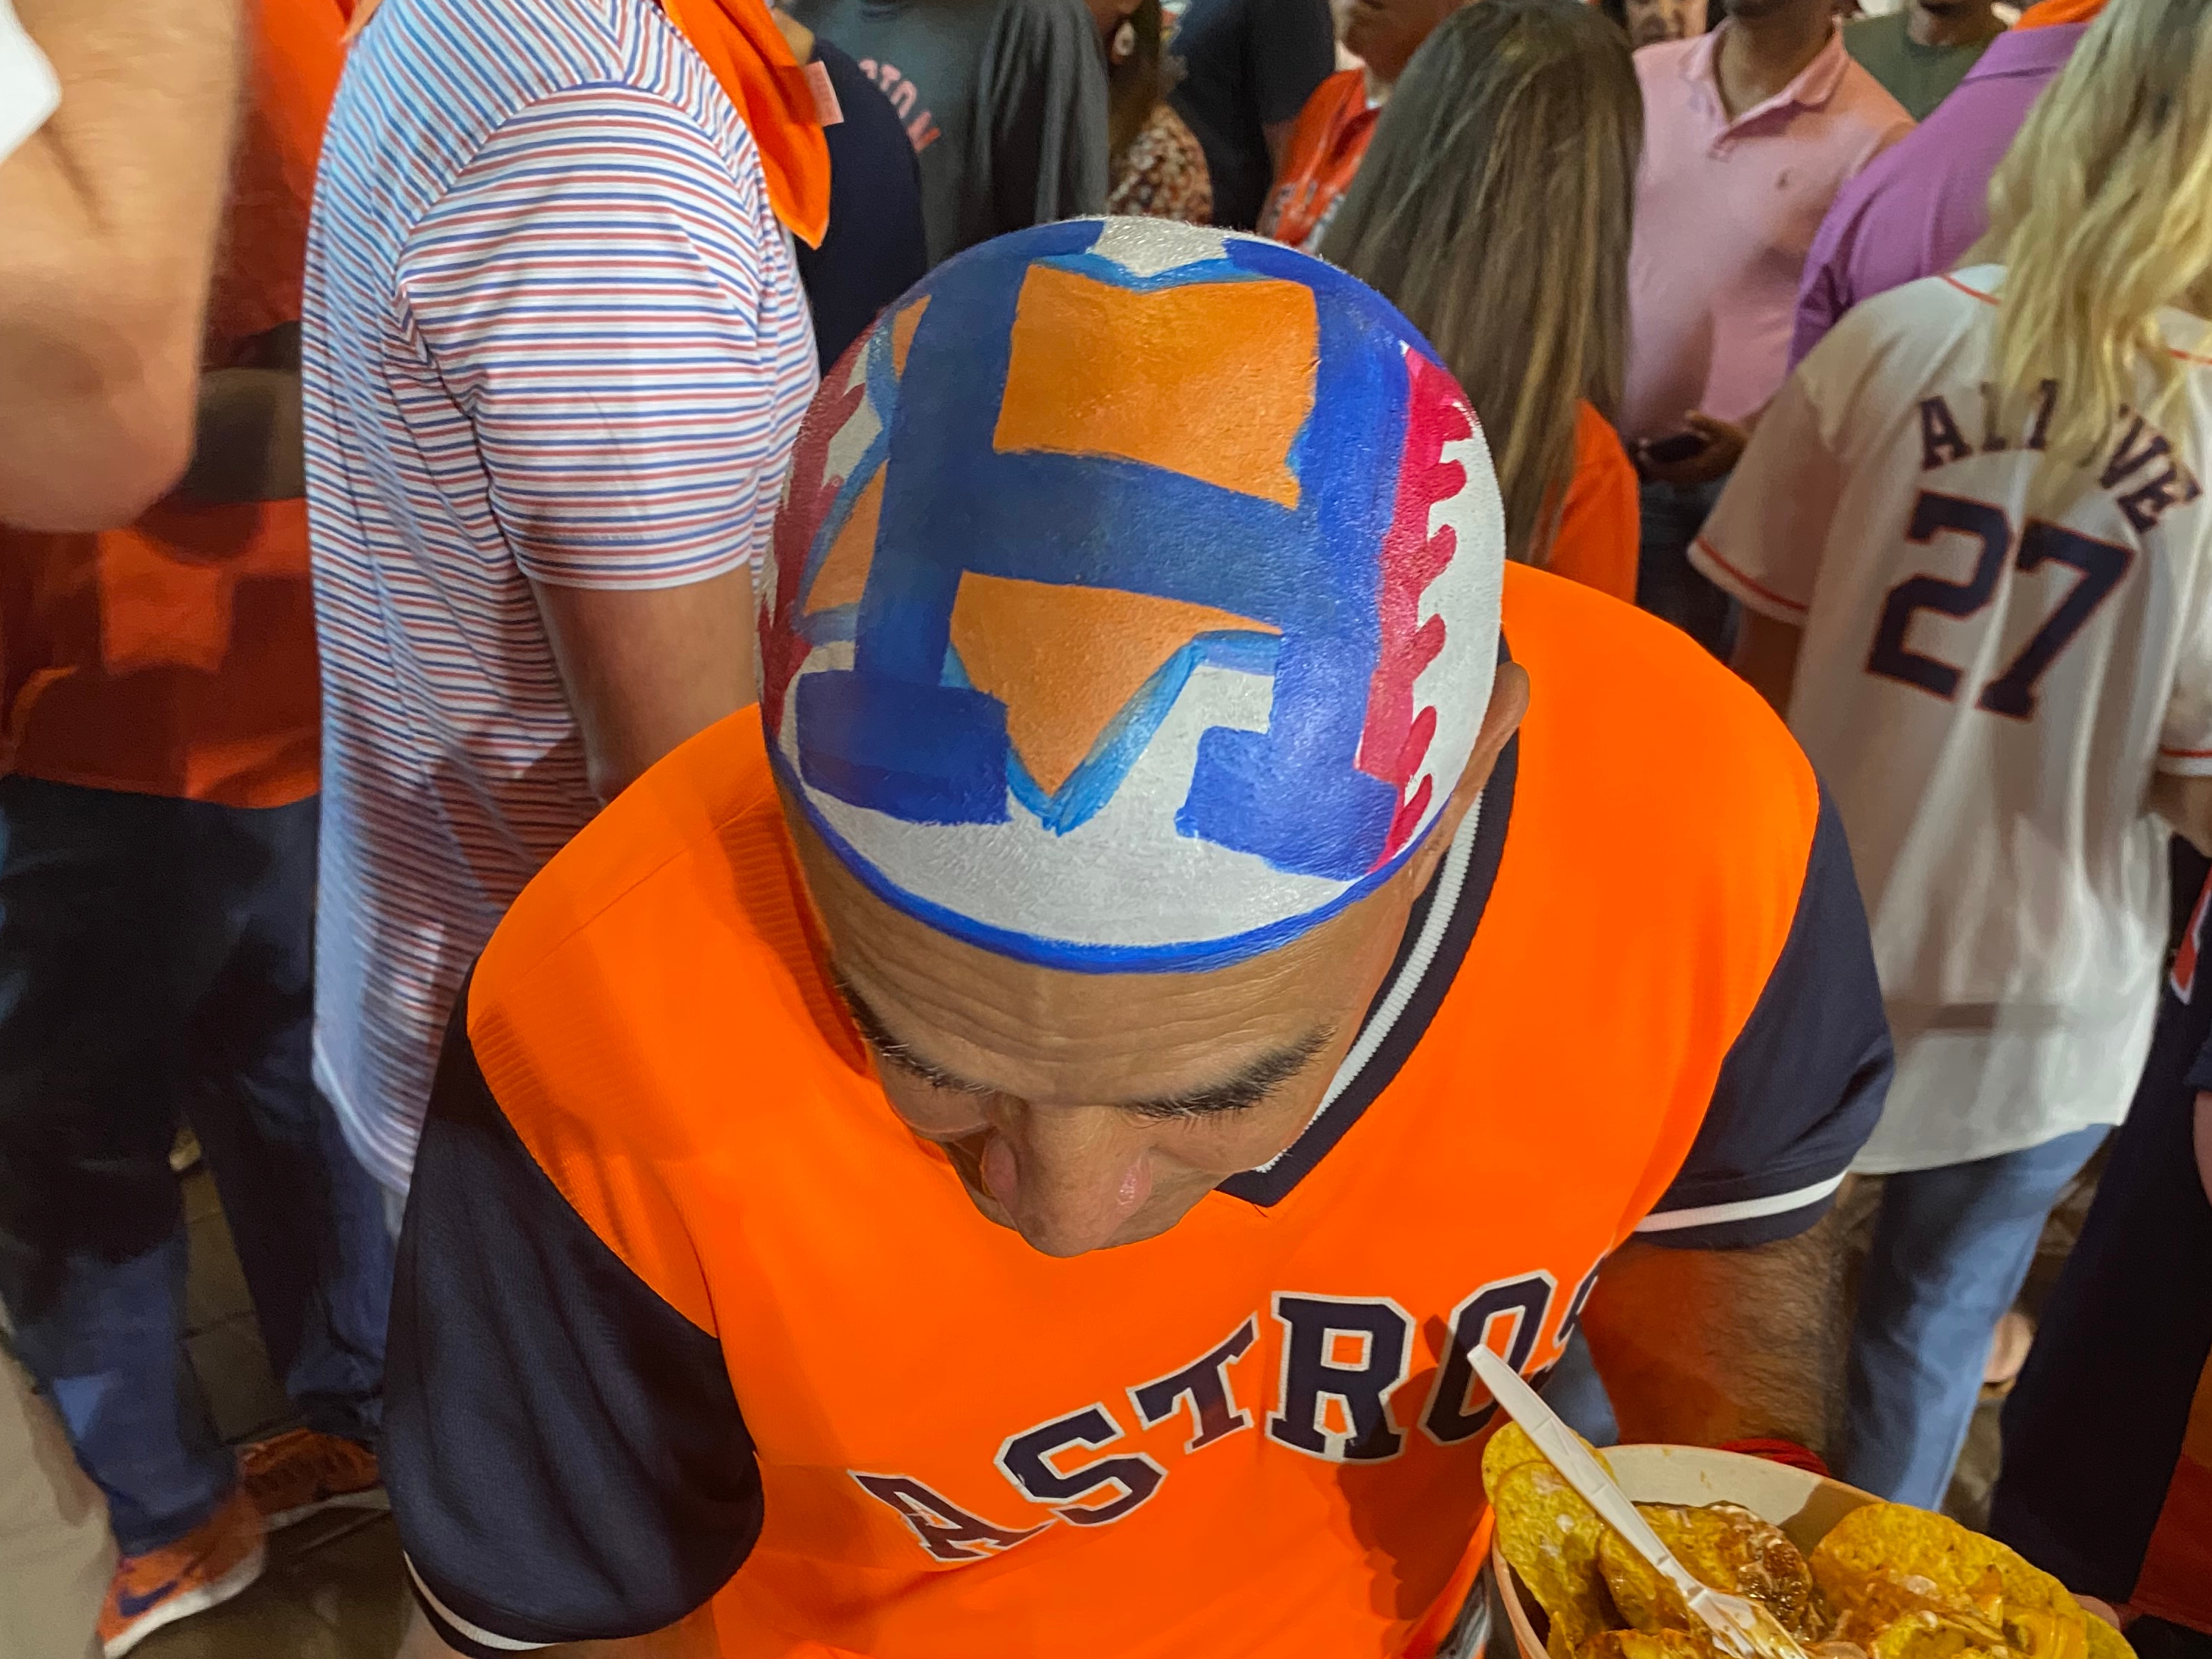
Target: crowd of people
(910,794)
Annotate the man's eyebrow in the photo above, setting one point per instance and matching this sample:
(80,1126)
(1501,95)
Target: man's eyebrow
(1251,1084)
(877,1035)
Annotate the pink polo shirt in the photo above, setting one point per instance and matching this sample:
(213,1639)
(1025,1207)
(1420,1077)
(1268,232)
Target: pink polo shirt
(1726,212)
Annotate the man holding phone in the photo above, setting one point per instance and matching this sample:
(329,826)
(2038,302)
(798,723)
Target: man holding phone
(1765,117)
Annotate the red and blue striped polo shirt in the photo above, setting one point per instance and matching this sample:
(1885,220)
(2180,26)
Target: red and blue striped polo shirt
(554,334)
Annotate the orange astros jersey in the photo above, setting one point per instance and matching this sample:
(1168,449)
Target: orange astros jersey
(684,1312)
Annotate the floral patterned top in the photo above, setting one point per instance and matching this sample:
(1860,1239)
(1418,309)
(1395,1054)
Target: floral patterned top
(1162,174)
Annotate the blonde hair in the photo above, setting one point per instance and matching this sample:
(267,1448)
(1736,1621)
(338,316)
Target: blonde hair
(1492,208)
(2101,214)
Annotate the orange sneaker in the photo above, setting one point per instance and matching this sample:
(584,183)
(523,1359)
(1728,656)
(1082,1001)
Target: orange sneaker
(302,1472)
(205,1568)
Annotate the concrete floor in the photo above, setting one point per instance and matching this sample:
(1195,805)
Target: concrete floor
(334,1588)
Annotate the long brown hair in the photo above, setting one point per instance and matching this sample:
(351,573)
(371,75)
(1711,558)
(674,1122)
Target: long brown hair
(1493,208)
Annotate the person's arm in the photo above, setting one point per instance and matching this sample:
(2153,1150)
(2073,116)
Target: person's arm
(1766,538)
(1045,79)
(1719,1318)
(646,670)
(1701,1347)
(110,210)
(633,473)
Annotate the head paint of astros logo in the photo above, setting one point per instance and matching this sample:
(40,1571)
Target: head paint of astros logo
(1135,597)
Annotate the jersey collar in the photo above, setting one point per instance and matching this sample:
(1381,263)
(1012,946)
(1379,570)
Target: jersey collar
(1437,934)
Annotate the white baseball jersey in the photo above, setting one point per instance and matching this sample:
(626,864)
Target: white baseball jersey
(2002,644)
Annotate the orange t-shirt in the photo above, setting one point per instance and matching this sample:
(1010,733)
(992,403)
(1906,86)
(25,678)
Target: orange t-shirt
(686,1313)
(1326,146)
(177,656)
(1601,524)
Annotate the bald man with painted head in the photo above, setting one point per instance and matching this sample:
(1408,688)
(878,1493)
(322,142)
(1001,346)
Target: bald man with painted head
(1007,1147)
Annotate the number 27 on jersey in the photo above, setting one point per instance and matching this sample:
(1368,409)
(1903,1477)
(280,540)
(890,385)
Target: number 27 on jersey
(2012,692)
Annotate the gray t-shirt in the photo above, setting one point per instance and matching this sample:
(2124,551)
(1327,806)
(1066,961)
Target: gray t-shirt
(1004,101)
(1919,78)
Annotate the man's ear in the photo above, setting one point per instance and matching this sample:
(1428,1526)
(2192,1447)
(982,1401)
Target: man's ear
(1509,702)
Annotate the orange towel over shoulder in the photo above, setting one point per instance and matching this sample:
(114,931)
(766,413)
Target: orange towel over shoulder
(747,54)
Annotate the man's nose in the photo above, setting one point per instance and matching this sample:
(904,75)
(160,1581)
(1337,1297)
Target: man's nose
(1068,1176)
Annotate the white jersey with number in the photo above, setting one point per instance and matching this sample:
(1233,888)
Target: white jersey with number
(2001,646)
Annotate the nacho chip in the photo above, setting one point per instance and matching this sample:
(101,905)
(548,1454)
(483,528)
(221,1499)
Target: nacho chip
(1510,1447)
(1888,1562)
(1550,1535)
(1723,1545)
(1928,1635)
(2105,1643)
(1642,1644)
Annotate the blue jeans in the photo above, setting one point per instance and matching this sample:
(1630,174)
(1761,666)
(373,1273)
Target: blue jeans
(1666,584)
(1952,1246)
(154,963)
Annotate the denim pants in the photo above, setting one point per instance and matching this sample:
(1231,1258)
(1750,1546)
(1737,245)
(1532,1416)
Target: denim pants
(1666,584)
(1952,1246)
(155,960)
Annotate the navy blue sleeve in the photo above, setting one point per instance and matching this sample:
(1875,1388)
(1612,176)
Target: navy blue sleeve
(874,250)
(1802,1087)
(563,1450)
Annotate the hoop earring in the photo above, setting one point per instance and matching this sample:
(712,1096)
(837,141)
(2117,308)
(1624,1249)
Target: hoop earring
(1125,42)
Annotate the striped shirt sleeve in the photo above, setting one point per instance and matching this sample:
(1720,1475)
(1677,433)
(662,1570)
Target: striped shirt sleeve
(592,302)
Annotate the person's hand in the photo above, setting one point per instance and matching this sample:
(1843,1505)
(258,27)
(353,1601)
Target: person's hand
(1724,442)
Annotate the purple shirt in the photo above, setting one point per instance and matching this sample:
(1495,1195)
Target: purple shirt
(1917,210)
